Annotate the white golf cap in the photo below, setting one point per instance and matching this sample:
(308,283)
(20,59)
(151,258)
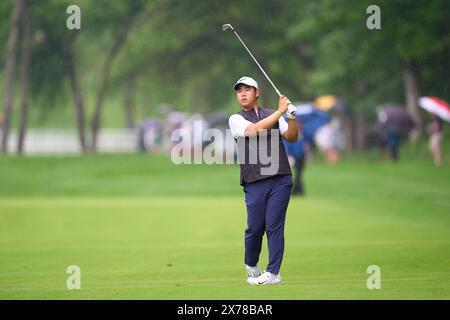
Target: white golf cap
(248,81)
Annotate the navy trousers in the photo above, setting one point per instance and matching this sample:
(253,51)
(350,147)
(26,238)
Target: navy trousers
(267,201)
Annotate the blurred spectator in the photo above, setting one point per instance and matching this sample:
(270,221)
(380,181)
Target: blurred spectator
(393,123)
(296,156)
(174,121)
(149,138)
(388,142)
(382,144)
(393,141)
(312,119)
(330,140)
(435,129)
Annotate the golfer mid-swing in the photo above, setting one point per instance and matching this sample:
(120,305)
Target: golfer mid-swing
(266,195)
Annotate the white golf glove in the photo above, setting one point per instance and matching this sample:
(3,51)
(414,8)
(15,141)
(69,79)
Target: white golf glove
(291,112)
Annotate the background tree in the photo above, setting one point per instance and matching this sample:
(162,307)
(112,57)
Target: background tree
(10,71)
(144,53)
(25,62)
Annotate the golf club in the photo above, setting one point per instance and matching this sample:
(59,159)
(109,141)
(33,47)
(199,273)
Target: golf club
(227,26)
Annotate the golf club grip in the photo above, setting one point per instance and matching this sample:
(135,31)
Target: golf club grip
(290,106)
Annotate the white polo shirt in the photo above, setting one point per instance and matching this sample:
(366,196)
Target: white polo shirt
(238,125)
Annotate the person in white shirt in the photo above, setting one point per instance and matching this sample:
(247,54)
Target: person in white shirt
(266,196)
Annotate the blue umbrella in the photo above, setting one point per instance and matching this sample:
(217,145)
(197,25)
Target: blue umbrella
(311,119)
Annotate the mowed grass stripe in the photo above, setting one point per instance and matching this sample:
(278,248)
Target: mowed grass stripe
(114,236)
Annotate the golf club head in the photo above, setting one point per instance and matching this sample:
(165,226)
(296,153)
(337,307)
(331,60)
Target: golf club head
(227,26)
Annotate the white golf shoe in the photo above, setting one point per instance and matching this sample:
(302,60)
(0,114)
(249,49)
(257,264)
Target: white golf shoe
(253,272)
(265,278)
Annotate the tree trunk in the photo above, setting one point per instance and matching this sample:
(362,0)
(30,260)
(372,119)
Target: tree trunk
(10,72)
(412,94)
(359,118)
(348,130)
(24,75)
(104,76)
(76,93)
(360,131)
(129,103)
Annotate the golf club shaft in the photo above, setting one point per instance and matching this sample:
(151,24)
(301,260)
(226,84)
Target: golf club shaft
(254,59)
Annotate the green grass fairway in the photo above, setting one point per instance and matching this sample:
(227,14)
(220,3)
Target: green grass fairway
(140,227)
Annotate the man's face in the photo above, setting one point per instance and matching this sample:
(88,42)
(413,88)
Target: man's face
(246,95)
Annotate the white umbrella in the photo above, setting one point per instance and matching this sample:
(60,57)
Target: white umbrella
(437,106)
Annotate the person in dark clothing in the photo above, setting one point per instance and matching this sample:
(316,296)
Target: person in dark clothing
(393,141)
(267,193)
(296,152)
(388,143)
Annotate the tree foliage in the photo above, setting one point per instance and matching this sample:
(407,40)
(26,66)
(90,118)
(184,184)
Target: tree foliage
(177,53)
